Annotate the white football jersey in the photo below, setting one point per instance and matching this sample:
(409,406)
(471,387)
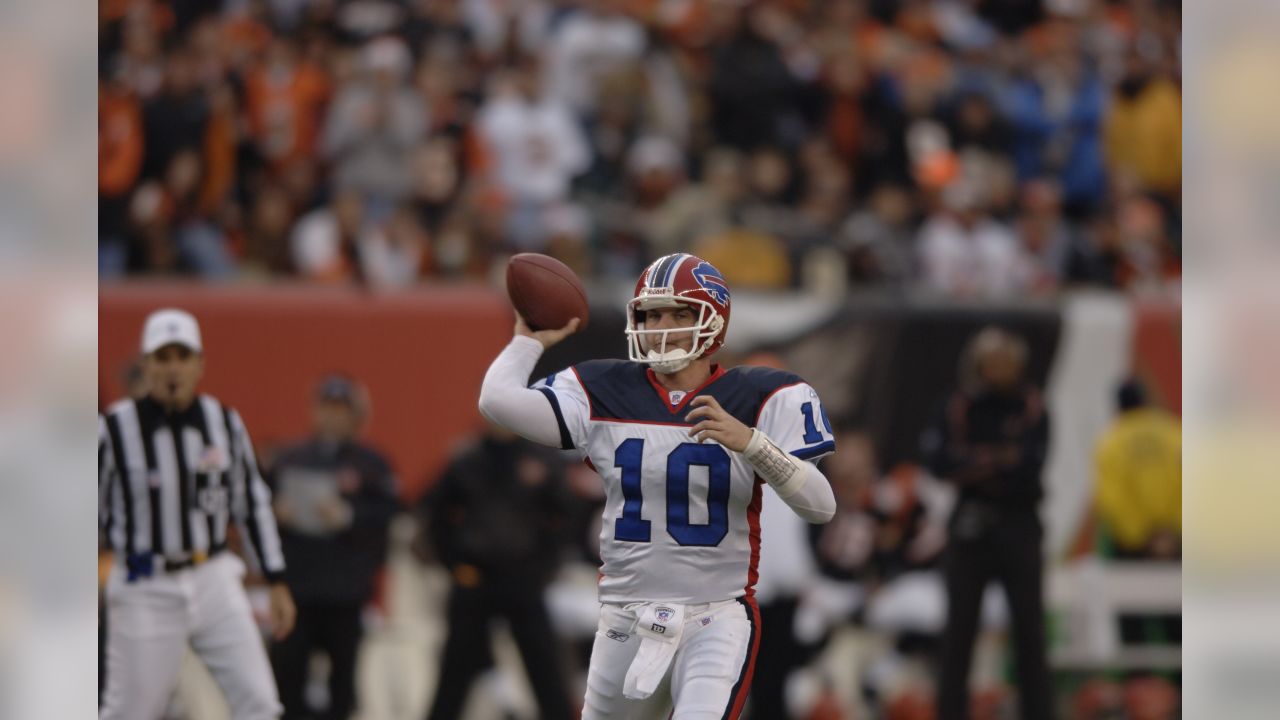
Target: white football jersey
(681,518)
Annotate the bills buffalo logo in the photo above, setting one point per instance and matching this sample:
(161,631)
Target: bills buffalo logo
(712,282)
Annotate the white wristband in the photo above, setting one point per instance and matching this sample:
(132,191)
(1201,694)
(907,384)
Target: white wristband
(782,470)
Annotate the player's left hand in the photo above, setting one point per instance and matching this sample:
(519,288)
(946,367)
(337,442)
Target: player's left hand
(283,611)
(717,424)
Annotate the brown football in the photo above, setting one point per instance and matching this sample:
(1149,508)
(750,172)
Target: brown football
(545,292)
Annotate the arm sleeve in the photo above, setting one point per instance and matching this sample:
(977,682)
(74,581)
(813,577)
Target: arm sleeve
(794,419)
(551,413)
(815,501)
(253,511)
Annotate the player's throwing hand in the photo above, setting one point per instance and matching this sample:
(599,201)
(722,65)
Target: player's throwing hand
(546,337)
(717,424)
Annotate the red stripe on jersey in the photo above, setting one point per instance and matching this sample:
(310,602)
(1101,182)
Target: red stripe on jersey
(768,397)
(753,522)
(743,687)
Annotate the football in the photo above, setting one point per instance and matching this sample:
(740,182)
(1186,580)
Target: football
(545,292)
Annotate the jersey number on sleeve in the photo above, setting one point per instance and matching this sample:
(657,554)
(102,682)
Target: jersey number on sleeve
(811,433)
(632,528)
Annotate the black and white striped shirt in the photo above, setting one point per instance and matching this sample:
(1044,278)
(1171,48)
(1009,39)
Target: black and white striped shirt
(168,484)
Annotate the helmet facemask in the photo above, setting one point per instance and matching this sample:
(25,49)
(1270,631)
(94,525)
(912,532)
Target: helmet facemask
(656,347)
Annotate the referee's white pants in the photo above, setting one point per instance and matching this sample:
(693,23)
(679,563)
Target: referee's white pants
(150,624)
(708,679)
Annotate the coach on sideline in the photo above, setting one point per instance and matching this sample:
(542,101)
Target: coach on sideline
(173,468)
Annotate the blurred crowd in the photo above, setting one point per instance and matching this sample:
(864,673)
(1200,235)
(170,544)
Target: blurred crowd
(975,148)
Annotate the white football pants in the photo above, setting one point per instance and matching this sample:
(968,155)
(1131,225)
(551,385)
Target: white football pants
(150,623)
(708,678)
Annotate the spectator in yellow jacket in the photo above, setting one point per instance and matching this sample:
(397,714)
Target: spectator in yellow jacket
(1139,484)
(1142,133)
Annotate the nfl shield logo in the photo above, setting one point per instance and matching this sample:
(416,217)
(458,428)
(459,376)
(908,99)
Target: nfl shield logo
(664,614)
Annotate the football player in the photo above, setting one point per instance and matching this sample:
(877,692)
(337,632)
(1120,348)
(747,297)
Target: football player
(685,448)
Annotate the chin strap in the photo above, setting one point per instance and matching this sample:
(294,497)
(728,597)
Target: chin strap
(661,365)
(784,471)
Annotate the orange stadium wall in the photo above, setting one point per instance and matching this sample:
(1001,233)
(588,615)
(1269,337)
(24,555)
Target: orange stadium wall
(422,355)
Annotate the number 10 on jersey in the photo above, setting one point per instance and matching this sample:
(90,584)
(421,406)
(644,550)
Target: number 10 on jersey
(631,527)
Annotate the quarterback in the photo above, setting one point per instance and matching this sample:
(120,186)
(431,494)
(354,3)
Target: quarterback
(685,448)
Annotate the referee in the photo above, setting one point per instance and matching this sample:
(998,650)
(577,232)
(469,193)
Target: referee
(173,468)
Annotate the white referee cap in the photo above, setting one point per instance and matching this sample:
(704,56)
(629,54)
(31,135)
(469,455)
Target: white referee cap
(168,327)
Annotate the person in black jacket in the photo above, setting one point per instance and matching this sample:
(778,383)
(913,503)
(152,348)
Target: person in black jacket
(495,518)
(756,100)
(991,441)
(335,498)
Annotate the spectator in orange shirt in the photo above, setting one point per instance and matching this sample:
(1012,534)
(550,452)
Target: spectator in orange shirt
(245,32)
(120,144)
(286,98)
(119,139)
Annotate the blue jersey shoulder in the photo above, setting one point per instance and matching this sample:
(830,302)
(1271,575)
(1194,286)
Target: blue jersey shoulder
(593,371)
(743,390)
(762,379)
(622,390)
(597,371)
